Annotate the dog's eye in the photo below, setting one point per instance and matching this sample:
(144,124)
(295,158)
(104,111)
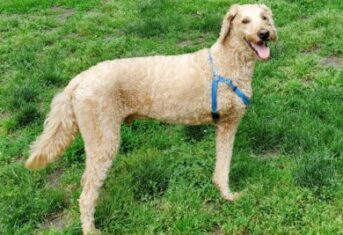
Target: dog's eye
(245,21)
(264,18)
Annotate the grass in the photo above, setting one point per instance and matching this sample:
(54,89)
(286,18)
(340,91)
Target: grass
(288,150)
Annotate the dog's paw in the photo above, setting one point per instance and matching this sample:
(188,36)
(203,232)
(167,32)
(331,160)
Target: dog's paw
(93,231)
(231,197)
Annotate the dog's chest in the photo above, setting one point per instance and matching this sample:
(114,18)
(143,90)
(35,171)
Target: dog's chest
(229,104)
(229,101)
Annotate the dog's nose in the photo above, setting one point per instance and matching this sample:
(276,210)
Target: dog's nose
(263,34)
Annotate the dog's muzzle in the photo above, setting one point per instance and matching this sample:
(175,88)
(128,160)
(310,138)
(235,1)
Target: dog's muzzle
(264,34)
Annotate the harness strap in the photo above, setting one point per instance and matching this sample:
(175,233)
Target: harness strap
(216,78)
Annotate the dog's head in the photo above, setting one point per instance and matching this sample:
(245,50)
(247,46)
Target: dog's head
(249,28)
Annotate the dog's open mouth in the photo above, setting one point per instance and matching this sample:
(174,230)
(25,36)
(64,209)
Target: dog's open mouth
(261,49)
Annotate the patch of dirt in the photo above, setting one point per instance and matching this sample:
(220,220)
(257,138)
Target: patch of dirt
(54,177)
(307,80)
(215,230)
(64,13)
(186,43)
(208,205)
(310,51)
(56,221)
(269,154)
(332,61)
(197,14)
(94,14)
(245,232)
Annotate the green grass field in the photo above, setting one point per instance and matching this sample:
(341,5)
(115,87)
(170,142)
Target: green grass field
(288,150)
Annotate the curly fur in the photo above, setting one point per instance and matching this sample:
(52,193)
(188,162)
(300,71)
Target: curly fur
(173,89)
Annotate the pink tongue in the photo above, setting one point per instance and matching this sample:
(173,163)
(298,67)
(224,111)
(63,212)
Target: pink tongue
(262,50)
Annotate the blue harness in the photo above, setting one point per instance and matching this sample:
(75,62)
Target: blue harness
(216,78)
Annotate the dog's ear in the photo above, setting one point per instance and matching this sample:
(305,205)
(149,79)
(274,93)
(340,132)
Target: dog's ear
(227,22)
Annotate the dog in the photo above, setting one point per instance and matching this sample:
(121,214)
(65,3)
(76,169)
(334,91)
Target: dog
(173,89)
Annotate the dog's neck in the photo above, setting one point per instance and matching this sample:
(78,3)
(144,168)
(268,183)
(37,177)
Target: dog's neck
(234,64)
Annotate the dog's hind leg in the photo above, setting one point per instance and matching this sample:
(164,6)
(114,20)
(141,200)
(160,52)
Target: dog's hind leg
(100,130)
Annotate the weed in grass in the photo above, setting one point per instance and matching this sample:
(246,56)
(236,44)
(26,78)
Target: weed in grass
(150,179)
(146,133)
(26,59)
(75,153)
(9,125)
(316,172)
(27,115)
(50,75)
(17,97)
(196,133)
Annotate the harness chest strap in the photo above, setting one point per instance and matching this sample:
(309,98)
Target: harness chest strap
(216,78)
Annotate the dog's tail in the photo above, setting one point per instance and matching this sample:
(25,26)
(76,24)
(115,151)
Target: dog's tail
(59,130)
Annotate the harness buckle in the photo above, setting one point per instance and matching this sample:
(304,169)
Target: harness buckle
(215,115)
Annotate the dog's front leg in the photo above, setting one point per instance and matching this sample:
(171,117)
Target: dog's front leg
(225,139)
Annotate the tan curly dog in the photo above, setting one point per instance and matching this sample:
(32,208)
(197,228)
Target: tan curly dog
(173,89)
